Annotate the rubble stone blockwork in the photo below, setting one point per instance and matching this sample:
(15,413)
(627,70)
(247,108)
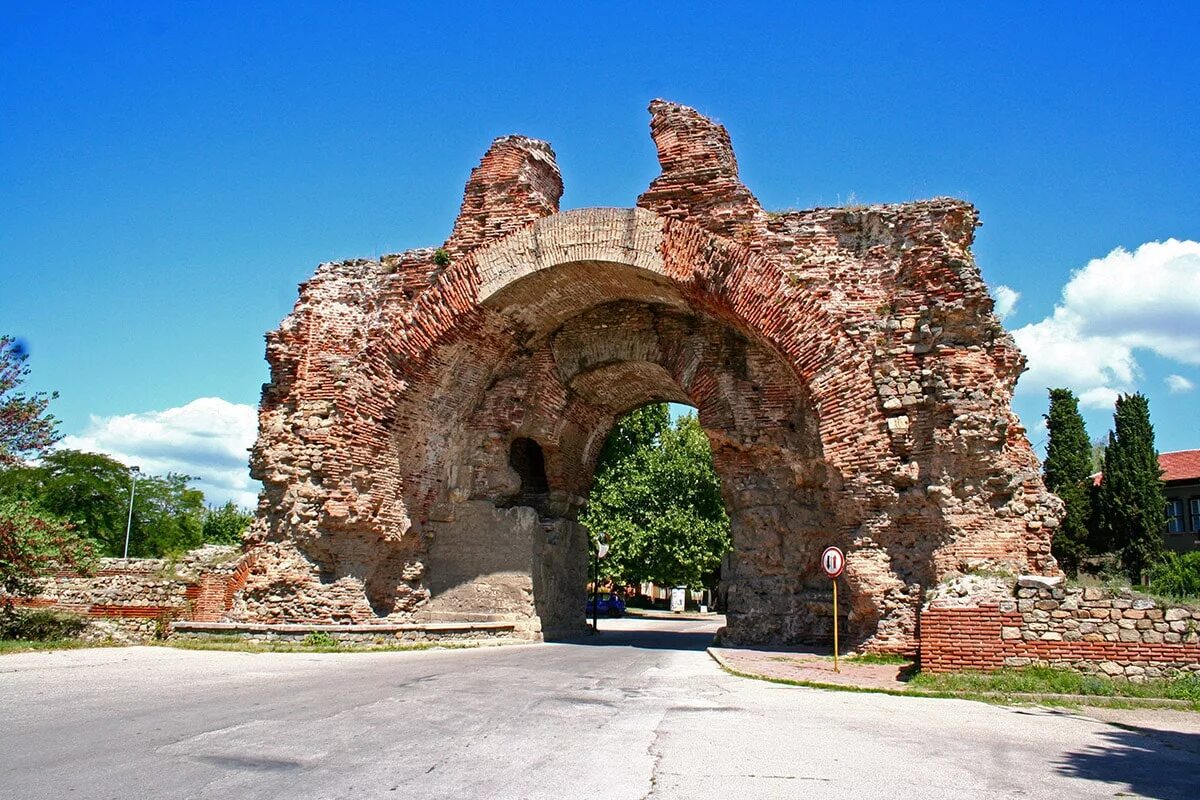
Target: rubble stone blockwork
(135,598)
(846,363)
(1047,623)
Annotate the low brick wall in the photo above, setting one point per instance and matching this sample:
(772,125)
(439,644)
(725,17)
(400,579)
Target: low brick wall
(1092,630)
(367,635)
(138,596)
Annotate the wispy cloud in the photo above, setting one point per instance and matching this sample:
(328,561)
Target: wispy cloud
(208,439)
(1006,301)
(1110,309)
(1177,384)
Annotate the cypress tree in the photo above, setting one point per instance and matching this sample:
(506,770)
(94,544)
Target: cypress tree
(1067,472)
(1131,497)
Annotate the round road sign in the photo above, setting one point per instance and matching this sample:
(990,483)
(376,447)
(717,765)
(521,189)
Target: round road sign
(833,561)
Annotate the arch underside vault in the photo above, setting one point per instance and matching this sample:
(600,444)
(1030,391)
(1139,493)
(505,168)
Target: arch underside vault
(430,432)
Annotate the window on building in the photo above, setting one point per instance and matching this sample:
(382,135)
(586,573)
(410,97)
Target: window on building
(1175,521)
(1195,504)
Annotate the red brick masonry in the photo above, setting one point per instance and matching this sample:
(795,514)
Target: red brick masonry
(1091,630)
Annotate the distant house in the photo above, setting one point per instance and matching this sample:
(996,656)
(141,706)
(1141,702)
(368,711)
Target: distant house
(1181,473)
(1181,478)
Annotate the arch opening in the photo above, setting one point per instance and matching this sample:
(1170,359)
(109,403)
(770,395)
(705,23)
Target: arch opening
(656,500)
(560,384)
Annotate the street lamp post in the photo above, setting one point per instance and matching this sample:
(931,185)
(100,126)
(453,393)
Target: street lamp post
(596,592)
(133,473)
(601,552)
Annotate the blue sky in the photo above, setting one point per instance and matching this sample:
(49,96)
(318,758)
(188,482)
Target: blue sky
(170,172)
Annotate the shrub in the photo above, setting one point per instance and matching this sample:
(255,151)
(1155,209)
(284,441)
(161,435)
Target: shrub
(320,639)
(40,626)
(1176,575)
(162,624)
(441,257)
(34,544)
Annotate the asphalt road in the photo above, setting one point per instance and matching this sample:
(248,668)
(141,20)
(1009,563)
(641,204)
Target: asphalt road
(635,713)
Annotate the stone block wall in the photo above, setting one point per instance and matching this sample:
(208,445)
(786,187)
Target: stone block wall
(1047,623)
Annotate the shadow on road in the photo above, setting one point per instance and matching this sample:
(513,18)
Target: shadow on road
(1154,763)
(644,639)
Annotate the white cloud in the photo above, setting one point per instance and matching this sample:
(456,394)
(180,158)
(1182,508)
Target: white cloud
(1006,301)
(1177,384)
(1111,308)
(208,438)
(1100,397)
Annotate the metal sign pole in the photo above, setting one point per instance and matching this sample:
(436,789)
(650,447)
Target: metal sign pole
(835,628)
(833,561)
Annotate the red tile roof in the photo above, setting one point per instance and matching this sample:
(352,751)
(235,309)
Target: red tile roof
(1181,465)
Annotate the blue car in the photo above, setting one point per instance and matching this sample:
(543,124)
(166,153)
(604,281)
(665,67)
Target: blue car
(608,605)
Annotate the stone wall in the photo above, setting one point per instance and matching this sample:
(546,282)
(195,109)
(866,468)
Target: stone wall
(356,636)
(139,596)
(846,363)
(1047,623)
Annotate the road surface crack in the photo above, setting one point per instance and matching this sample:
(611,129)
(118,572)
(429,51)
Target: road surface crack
(654,750)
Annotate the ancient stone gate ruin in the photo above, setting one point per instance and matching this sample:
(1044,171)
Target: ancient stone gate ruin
(434,417)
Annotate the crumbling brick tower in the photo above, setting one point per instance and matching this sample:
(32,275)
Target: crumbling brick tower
(433,418)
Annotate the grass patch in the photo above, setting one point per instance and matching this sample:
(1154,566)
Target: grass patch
(26,646)
(1165,592)
(40,625)
(878,658)
(1047,680)
(1033,686)
(24,630)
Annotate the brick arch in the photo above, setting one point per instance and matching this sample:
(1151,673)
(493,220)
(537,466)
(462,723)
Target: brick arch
(710,273)
(609,255)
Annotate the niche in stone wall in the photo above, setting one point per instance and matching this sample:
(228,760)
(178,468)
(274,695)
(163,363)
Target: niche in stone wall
(526,458)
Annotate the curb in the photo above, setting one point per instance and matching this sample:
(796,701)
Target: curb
(644,613)
(1101,701)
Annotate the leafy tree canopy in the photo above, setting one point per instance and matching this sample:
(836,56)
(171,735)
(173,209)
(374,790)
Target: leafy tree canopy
(25,427)
(658,499)
(636,431)
(34,544)
(168,516)
(226,524)
(91,491)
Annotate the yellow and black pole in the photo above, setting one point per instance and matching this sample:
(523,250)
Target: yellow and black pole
(835,628)
(833,561)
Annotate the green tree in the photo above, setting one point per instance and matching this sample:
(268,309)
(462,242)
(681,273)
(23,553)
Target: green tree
(637,430)
(1099,445)
(226,524)
(1067,471)
(168,516)
(34,544)
(659,501)
(1177,575)
(25,427)
(89,490)
(1131,497)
